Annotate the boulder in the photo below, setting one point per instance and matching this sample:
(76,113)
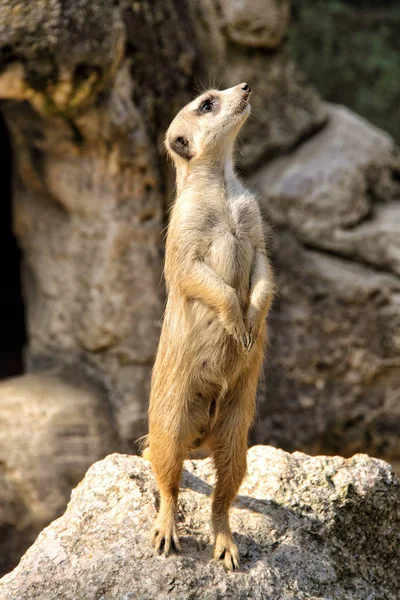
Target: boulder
(285,108)
(340,191)
(332,374)
(87,90)
(88,204)
(257,23)
(333,368)
(307,528)
(52,428)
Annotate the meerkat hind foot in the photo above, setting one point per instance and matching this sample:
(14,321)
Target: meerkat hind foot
(165,538)
(226,550)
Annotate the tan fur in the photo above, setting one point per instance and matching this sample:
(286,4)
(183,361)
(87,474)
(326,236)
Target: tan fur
(220,288)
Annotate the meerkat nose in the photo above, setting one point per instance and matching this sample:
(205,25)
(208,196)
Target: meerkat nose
(246,88)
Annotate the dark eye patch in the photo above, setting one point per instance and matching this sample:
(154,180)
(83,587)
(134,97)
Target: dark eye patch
(208,105)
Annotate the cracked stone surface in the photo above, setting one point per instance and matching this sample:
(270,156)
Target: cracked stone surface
(87,96)
(308,528)
(52,428)
(333,371)
(340,191)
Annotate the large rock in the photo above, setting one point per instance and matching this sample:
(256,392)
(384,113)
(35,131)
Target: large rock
(333,371)
(52,428)
(256,22)
(340,191)
(88,196)
(88,91)
(306,527)
(285,108)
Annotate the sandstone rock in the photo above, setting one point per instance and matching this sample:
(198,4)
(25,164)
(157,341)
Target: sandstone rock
(51,431)
(88,91)
(333,370)
(285,108)
(89,206)
(59,55)
(306,527)
(340,191)
(256,22)
(333,363)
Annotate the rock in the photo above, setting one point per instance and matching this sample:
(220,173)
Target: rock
(340,191)
(88,189)
(306,527)
(87,96)
(51,431)
(285,108)
(256,22)
(59,55)
(333,364)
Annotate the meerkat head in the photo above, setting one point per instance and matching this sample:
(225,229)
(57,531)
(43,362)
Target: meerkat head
(207,127)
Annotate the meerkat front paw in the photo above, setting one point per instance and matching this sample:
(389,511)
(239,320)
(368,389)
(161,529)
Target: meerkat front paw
(238,333)
(226,550)
(164,537)
(252,329)
(251,337)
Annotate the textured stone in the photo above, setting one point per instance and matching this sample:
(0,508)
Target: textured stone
(307,528)
(88,95)
(340,191)
(59,55)
(285,108)
(51,431)
(256,22)
(333,370)
(88,184)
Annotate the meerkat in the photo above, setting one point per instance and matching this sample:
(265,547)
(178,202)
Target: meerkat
(220,287)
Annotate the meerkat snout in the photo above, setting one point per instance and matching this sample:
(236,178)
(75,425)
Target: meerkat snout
(205,127)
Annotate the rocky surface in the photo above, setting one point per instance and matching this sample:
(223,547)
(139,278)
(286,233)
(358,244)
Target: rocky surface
(340,191)
(88,91)
(307,528)
(285,109)
(52,428)
(333,374)
(256,22)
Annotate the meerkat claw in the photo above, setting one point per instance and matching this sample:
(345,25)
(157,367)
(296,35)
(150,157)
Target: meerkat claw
(228,553)
(165,540)
(245,342)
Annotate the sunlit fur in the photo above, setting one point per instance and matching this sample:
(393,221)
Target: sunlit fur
(220,288)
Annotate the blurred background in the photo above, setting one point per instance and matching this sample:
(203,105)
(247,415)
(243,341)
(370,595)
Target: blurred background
(87,91)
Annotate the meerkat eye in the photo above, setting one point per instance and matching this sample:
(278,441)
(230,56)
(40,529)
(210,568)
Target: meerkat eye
(206,106)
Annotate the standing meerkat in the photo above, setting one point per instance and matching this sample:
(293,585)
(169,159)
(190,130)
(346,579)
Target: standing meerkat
(220,287)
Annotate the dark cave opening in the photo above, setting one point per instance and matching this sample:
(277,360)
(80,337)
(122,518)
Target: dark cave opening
(12,321)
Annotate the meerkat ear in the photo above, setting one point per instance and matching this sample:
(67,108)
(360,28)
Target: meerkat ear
(181,146)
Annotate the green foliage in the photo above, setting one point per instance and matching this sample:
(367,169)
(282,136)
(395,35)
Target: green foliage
(351,52)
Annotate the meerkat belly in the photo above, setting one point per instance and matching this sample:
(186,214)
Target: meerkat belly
(231,255)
